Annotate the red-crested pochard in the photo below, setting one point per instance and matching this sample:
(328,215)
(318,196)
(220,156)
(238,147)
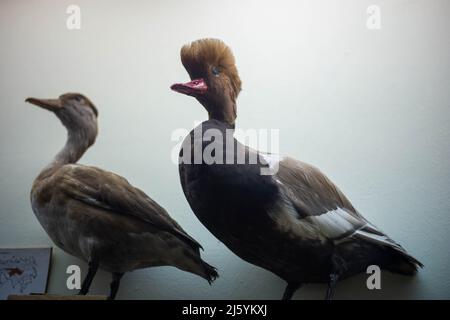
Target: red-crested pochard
(294,222)
(97,215)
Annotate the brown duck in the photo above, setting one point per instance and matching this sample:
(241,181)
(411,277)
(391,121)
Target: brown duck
(294,222)
(97,215)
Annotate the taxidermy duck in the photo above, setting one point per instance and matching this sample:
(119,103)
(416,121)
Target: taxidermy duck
(97,215)
(294,222)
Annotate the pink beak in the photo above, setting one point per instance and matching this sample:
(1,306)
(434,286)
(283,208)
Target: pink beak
(193,88)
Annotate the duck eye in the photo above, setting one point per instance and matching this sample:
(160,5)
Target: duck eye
(215,71)
(78,99)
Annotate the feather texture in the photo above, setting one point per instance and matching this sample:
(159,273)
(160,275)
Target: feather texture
(202,54)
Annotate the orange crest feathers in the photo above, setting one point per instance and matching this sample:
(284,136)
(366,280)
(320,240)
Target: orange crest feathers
(201,54)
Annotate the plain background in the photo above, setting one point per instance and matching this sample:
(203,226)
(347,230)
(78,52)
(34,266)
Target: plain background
(368,107)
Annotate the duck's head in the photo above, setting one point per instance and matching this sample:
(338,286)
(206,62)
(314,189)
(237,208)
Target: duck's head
(76,112)
(215,81)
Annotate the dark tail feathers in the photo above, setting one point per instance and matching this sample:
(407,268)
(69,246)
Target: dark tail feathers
(210,272)
(404,263)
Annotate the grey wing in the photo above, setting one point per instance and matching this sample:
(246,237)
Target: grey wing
(107,190)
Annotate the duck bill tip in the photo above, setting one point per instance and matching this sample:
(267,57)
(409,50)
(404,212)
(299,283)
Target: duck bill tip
(49,104)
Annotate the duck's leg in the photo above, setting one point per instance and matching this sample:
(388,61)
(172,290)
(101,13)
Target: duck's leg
(339,267)
(290,290)
(93,267)
(116,276)
(331,286)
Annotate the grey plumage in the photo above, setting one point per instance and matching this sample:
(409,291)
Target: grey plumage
(97,215)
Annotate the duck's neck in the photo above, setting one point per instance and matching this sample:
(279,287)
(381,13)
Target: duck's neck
(76,145)
(225,112)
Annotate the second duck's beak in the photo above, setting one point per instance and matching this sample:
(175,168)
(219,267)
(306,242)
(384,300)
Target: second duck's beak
(49,104)
(194,88)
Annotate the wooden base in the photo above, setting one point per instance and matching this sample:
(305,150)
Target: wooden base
(55,297)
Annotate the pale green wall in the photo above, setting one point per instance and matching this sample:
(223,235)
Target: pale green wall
(370,108)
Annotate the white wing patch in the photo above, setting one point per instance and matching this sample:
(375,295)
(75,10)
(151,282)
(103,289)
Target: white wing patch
(332,225)
(336,223)
(377,239)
